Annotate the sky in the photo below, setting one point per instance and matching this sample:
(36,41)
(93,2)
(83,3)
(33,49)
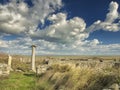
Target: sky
(60,27)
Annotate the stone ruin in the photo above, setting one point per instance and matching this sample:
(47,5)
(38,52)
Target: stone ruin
(114,86)
(6,68)
(40,69)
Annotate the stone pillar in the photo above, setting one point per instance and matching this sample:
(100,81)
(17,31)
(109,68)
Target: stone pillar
(33,58)
(9,63)
(9,60)
(21,60)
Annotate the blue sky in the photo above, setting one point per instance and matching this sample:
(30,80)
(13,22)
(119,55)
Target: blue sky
(60,27)
(90,11)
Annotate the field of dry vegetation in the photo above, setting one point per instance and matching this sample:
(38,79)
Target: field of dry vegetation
(63,73)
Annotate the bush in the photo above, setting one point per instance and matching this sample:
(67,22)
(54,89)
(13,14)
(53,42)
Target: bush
(60,68)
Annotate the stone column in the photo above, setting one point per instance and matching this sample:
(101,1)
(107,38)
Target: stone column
(21,60)
(33,58)
(9,60)
(9,63)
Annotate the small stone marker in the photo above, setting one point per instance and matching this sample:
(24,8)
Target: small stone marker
(9,60)
(114,86)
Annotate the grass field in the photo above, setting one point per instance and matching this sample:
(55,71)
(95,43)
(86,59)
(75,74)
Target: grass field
(60,76)
(17,81)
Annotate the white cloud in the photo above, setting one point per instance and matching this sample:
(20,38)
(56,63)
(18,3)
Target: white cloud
(24,20)
(94,42)
(22,7)
(93,47)
(3,44)
(17,18)
(113,13)
(63,30)
(42,8)
(99,25)
(109,24)
(12,22)
(62,36)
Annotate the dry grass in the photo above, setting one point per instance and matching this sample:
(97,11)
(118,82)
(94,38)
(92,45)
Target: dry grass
(63,76)
(67,77)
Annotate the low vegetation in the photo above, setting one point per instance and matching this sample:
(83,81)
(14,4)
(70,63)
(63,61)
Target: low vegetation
(17,81)
(60,77)
(75,78)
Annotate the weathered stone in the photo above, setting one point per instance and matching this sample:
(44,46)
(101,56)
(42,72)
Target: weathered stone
(41,69)
(9,62)
(114,86)
(4,69)
(46,61)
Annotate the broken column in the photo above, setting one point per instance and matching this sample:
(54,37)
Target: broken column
(33,58)
(9,61)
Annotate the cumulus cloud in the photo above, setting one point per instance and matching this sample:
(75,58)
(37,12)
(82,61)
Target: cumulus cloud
(62,35)
(109,24)
(3,44)
(113,13)
(11,21)
(88,47)
(63,30)
(18,18)
(24,20)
